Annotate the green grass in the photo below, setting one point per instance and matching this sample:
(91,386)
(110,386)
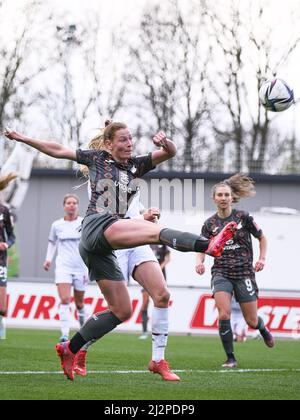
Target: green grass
(26,350)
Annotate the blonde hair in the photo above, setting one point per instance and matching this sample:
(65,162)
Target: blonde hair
(98,142)
(66,197)
(241,186)
(5,180)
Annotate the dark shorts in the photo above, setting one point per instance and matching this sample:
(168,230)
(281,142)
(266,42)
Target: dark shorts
(3,276)
(96,252)
(244,290)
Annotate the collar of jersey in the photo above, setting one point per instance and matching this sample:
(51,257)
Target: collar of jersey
(123,166)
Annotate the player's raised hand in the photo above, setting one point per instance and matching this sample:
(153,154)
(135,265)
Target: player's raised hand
(12,134)
(160,140)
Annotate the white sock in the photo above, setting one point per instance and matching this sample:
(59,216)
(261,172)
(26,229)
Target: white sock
(81,316)
(160,330)
(2,328)
(65,319)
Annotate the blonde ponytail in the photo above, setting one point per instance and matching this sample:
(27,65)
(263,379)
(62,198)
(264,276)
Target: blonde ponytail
(5,180)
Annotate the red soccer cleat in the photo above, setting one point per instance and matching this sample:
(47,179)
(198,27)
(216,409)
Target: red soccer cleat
(163,369)
(80,363)
(217,244)
(67,359)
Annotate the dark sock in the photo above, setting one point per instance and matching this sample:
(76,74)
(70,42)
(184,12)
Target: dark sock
(261,326)
(76,343)
(226,336)
(94,329)
(183,241)
(145,320)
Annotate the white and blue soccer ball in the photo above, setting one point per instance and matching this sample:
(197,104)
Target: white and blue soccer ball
(276,95)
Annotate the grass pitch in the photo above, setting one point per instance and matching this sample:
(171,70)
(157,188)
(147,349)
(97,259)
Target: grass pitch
(29,370)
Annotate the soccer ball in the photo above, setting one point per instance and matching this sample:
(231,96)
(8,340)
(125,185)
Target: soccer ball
(276,95)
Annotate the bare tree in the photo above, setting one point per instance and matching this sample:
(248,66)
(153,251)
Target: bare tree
(171,61)
(14,53)
(246,54)
(91,88)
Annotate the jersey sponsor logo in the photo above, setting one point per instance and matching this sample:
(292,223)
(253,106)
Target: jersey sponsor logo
(123,187)
(231,246)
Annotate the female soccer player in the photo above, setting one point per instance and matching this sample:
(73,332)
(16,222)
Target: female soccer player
(233,272)
(141,264)
(113,176)
(7,239)
(70,268)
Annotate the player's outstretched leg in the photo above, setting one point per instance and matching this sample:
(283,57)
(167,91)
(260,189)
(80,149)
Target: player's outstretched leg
(188,242)
(217,244)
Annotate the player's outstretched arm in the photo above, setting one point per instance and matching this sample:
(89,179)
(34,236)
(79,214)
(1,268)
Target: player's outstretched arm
(50,148)
(167,150)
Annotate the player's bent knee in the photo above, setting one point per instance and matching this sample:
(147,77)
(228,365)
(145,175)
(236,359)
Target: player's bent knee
(65,301)
(224,316)
(162,299)
(123,314)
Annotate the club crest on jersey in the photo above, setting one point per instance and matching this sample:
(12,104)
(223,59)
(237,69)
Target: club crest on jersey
(133,170)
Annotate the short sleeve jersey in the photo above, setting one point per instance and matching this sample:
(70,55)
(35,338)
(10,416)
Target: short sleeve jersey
(66,235)
(6,232)
(236,261)
(113,185)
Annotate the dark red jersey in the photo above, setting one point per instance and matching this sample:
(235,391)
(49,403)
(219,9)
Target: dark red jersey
(236,261)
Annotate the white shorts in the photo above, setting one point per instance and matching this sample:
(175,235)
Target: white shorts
(129,259)
(78,281)
(238,324)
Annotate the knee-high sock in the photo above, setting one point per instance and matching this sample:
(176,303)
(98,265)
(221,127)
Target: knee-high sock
(160,330)
(94,329)
(261,327)
(226,336)
(65,319)
(183,241)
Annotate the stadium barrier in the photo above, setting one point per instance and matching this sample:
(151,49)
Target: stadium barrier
(192,309)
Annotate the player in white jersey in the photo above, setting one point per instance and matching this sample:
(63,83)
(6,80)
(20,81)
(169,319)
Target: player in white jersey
(70,269)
